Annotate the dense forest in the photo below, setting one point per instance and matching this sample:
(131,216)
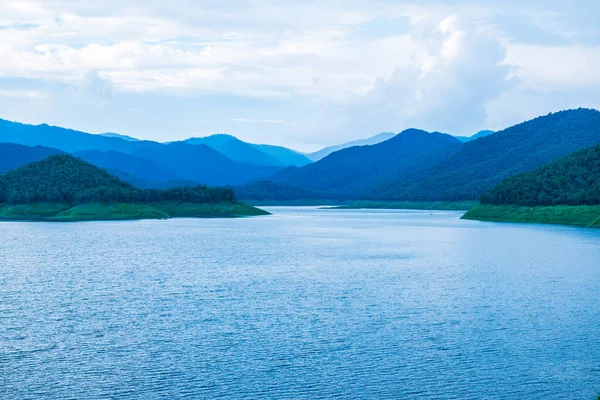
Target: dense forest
(66,179)
(483,163)
(571,180)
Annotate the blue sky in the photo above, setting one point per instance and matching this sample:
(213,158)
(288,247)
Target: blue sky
(303,74)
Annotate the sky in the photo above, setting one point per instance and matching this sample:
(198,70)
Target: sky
(303,74)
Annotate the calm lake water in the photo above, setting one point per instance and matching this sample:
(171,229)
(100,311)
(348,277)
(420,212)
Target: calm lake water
(306,303)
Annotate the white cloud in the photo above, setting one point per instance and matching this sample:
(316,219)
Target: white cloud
(327,68)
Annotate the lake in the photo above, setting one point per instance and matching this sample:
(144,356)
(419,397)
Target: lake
(306,303)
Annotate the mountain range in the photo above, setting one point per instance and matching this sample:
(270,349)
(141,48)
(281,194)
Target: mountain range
(413,165)
(420,166)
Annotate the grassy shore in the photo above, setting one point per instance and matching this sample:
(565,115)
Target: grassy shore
(410,205)
(588,216)
(124,211)
(295,203)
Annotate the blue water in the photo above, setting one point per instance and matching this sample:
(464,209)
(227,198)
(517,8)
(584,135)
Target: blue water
(303,304)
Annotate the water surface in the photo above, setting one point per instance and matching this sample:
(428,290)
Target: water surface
(306,303)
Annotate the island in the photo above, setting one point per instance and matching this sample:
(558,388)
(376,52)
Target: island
(65,188)
(565,191)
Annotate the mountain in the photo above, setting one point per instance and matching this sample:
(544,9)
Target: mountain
(235,149)
(139,171)
(57,179)
(67,140)
(65,188)
(475,136)
(203,164)
(318,155)
(117,135)
(283,155)
(183,161)
(483,163)
(267,190)
(259,154)
(15,155)
(356,171)
(571,180)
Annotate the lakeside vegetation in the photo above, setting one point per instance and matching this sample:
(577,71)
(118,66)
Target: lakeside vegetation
(64,188)
(586,216)
(566,191)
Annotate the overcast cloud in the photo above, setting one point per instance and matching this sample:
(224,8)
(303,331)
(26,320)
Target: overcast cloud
(303,74)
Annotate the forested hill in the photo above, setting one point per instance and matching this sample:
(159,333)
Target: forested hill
(483,163)
(355,171)
(571,180)
(16,155)
(66,179)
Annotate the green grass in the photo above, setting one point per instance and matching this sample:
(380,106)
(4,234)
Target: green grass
(588,216)
(124,211)
(411,205)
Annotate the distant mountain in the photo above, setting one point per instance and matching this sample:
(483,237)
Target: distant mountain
(259,154)
(143,172)
(15,155)
(267,190)
(475,136)
(355,172)
(117,135)
(67,140)
(571,180)
(201,163)
(317,155)
(188,162)
(235,149)
(485,162)
(283,155)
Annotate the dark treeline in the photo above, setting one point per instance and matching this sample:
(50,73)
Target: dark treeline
(66,179)
(571,180)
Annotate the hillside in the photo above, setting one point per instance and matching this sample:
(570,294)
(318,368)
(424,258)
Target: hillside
(283,155)
(382,137)
(235,149)
(63,187)
(203,164)
(565,191)
(485,162)
(196,163)
(354,172)
(571,180)
(475,136)
(67,140)
(15,155)
(139,168)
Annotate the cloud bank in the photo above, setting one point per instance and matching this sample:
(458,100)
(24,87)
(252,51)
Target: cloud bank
(305,74)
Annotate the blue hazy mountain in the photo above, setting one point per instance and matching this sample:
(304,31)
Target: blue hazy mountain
(355,171)
(184,161)
(203,164)
(129,167)
(16,155)
(317,155)
(235,149)
(483,163)
(260,154)
(283,155)
(475,136)
(118,135)
(67,140)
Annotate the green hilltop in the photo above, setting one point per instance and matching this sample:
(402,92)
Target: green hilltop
(65,188)
(565,191)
